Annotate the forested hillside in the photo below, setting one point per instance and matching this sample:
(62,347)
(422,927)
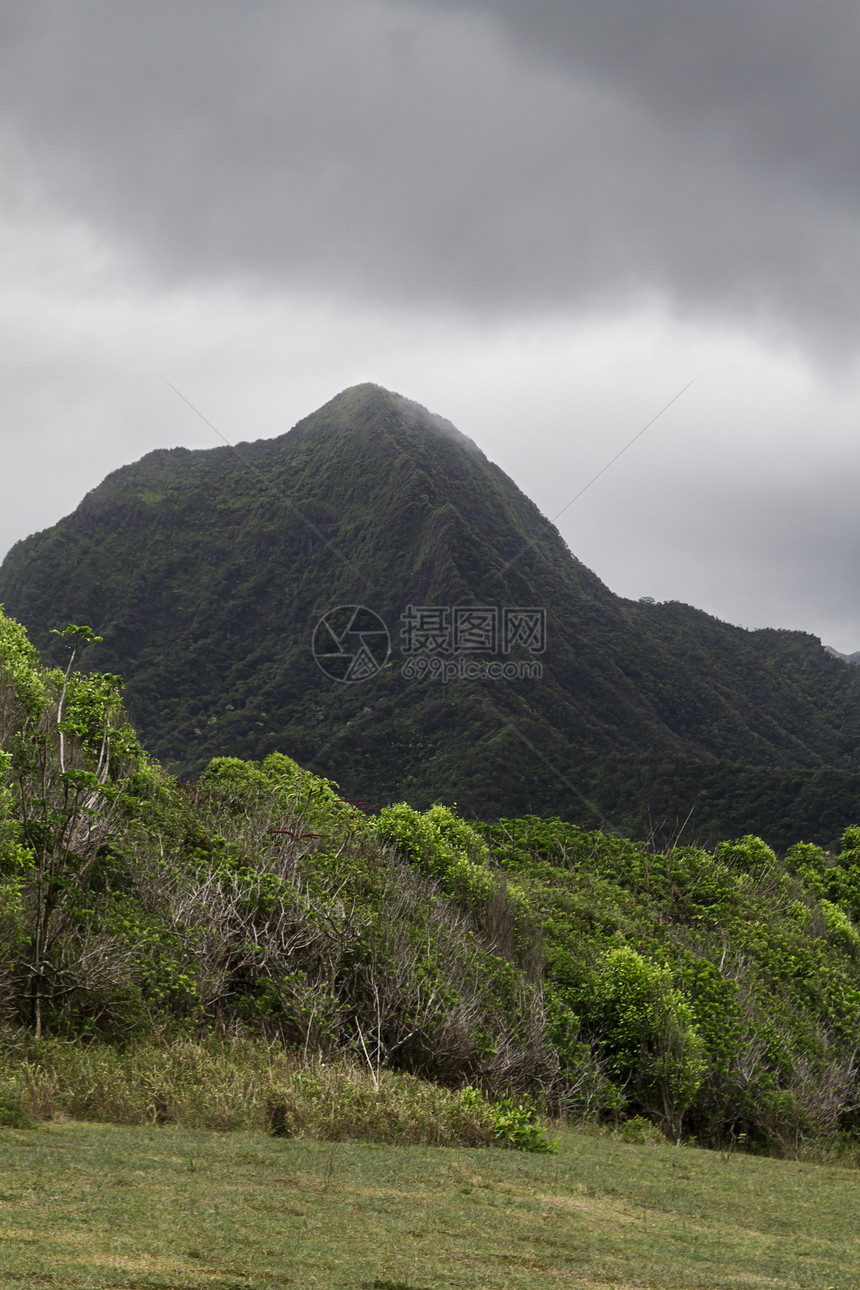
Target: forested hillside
(209,573)
(714,991)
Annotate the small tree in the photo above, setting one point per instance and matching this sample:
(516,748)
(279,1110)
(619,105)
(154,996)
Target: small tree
(647,1029)
(70,748)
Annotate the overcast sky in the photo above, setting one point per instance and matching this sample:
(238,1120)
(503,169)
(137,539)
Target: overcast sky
(540,218)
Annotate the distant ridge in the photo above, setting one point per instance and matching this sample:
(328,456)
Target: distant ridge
(848,658)
(208,573)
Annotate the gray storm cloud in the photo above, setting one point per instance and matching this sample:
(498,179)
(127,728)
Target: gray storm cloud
(474,155)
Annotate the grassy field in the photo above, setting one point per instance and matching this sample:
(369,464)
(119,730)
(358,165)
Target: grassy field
(92,1205)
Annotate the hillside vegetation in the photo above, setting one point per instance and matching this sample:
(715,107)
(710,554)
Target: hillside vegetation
(712,993)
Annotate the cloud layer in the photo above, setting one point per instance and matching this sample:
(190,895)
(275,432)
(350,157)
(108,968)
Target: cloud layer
(477,155)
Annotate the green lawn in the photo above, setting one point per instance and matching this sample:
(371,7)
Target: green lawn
(87,1205)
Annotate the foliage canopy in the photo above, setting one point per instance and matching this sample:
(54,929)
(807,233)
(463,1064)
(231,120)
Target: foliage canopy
(716,992)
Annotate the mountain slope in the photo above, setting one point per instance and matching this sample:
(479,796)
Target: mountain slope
(208,572)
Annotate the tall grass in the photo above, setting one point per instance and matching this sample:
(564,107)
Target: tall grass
(234,1084)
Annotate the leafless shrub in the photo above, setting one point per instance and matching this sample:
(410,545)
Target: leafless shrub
(500,919)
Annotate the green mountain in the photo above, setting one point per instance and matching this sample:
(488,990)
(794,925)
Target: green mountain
(244,595)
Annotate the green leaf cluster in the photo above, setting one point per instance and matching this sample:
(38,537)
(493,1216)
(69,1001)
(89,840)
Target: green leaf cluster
(515,1124)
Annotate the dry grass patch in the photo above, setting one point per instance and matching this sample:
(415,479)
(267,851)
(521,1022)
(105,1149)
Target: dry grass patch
(228,1084)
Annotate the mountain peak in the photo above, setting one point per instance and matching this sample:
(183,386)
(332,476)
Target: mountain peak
(369,405)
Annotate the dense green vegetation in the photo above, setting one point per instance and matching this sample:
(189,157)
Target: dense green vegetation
(723,987)
(525,963)
(206,572)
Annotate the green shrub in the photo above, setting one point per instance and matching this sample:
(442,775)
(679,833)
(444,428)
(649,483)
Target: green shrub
(647,1029)
(749,854)
(13,1115)
(840,926)
(641,1130)
(515,1124)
